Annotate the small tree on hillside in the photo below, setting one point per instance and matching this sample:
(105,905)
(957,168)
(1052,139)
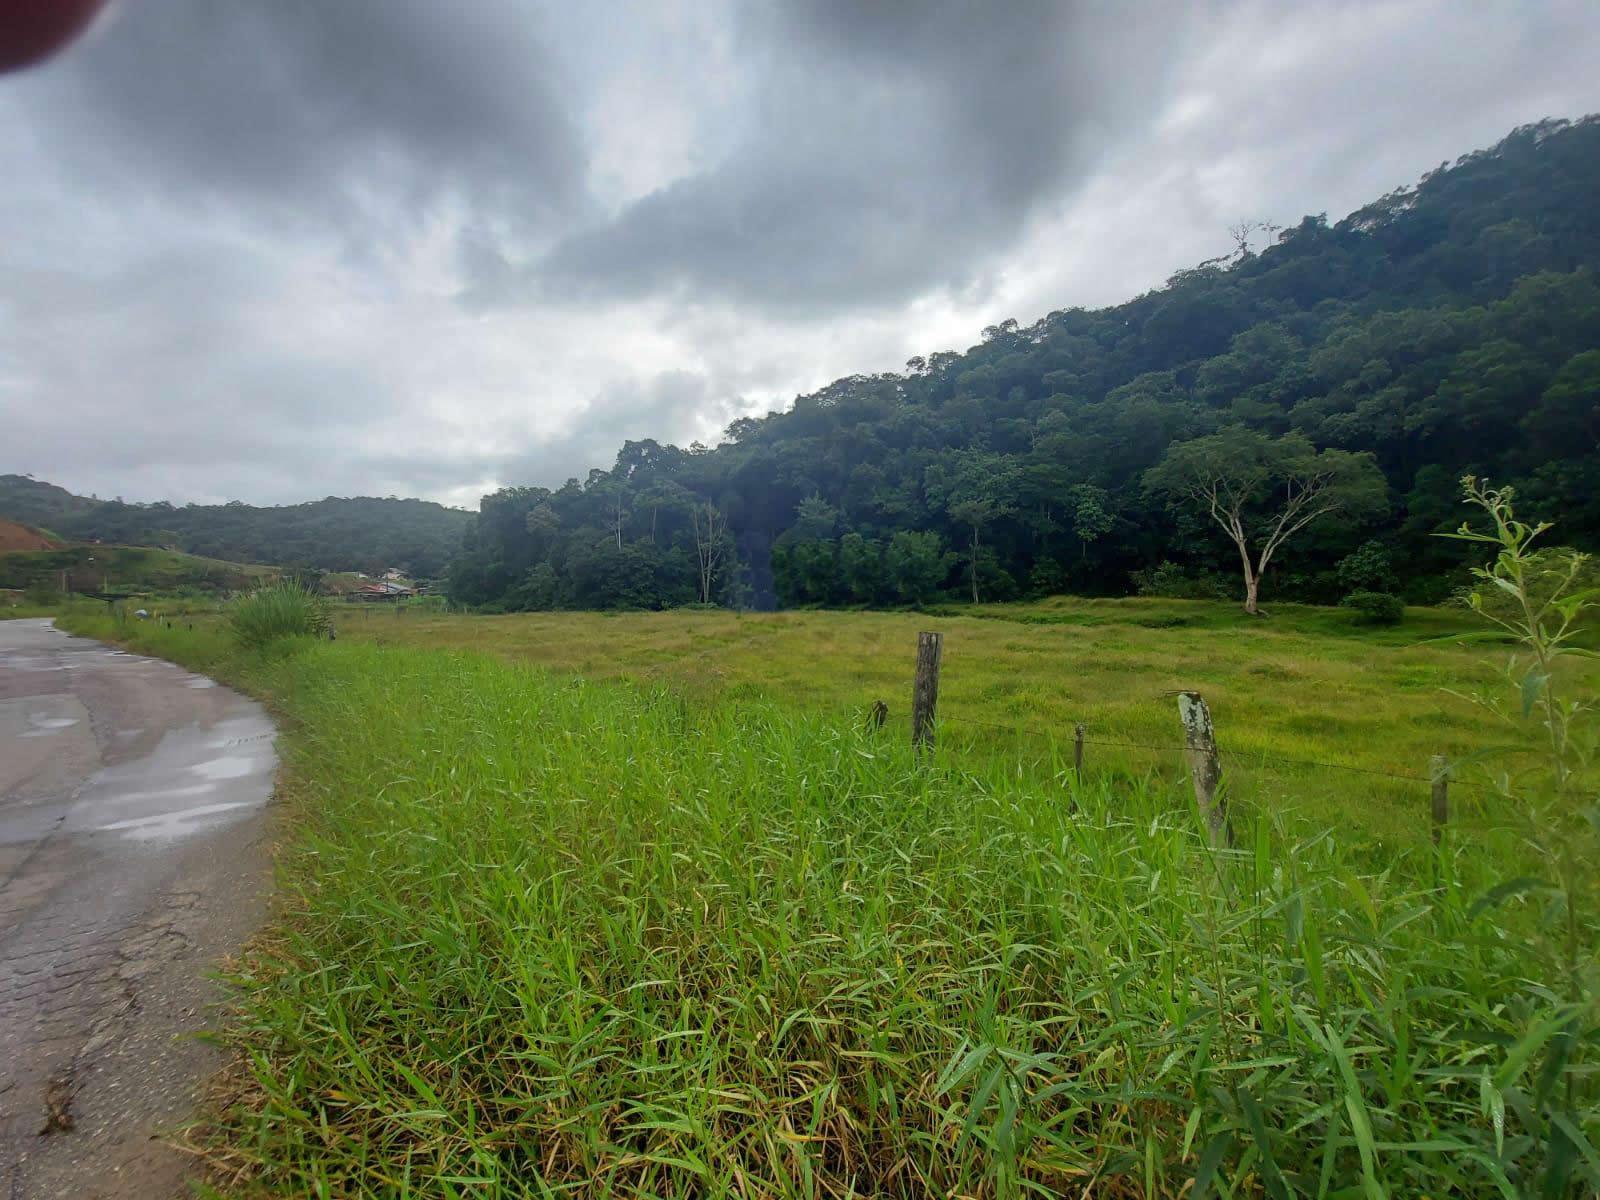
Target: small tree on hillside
(1263,490)
(975,488)
(710,543)
(1090,518)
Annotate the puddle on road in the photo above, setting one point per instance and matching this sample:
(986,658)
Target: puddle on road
(173,824)
(48,726)
(229,767)
(183,786)
(195,779)
(197,789)
(30,664)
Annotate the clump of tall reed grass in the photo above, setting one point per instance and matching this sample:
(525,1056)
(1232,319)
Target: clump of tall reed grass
(553,938)
(278,610)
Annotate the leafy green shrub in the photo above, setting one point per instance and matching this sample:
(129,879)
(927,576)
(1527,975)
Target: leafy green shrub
(1368,569)
(1375,608)
(1048,578)
(1171,582)
(278,610)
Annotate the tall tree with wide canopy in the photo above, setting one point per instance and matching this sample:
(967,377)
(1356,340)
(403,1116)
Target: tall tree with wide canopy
(1263,490)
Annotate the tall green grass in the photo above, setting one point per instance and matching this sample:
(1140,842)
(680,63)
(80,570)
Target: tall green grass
(278,610)
(552,938)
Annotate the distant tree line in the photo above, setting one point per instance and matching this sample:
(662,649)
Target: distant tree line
(1447,328)
(357,534)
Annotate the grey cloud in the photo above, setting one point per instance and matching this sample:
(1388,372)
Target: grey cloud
(163,375)
(352,111)
(674,406)
(894,147)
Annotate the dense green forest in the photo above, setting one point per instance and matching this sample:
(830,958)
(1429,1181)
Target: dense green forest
(1348,374)
(358,534)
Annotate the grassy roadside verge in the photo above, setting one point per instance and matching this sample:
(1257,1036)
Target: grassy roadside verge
(542,937)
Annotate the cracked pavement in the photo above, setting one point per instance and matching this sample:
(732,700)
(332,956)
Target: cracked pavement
(133,859)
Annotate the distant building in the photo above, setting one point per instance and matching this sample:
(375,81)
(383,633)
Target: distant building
(382,589)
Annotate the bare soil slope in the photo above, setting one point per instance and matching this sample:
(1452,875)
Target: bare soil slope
(14,536)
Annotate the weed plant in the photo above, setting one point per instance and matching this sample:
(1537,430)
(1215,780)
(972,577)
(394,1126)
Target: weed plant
(1538,601)
(279,610)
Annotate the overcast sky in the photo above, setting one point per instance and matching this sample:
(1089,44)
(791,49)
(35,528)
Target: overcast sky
(272,250)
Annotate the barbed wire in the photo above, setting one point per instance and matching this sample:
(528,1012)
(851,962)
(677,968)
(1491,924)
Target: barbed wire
(1244,757)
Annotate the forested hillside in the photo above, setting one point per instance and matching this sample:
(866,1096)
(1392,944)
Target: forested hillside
(1447,328)
(358,534)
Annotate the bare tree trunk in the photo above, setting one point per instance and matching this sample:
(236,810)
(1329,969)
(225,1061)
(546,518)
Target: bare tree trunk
(974,564)
(707,545)
(1252,577)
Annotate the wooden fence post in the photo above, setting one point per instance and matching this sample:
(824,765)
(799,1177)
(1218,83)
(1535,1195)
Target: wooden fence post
(878,715)
(1077,751)
(1205,767)
(925,691)
(1439,772)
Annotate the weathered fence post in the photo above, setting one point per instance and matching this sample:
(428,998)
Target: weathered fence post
(878,714)
(1439,772)
(1205,767)
(925,691)
(1077,751)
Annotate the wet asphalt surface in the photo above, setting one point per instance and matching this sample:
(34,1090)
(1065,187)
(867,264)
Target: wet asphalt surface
(133,859)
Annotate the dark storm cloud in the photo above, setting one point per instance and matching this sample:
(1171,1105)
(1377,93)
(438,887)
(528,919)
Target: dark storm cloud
(273,249)
(891,147)
(344,110)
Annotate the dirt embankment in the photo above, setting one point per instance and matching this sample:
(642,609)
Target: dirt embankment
(21,537)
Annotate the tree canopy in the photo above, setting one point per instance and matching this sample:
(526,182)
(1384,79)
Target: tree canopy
(1262,490)
(1444,329)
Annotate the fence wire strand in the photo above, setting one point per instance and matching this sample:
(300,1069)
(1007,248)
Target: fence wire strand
(1239,757)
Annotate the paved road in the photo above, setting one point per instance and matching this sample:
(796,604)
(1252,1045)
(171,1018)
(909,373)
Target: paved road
(132,859)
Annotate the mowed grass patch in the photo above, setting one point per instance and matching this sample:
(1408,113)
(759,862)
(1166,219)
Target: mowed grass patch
(1304,684)
(547,937)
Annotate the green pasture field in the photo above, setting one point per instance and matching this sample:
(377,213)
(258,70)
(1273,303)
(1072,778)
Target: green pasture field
(1303,686)
(548,935)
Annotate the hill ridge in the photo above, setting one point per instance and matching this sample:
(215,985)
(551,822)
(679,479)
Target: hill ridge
(335,533)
